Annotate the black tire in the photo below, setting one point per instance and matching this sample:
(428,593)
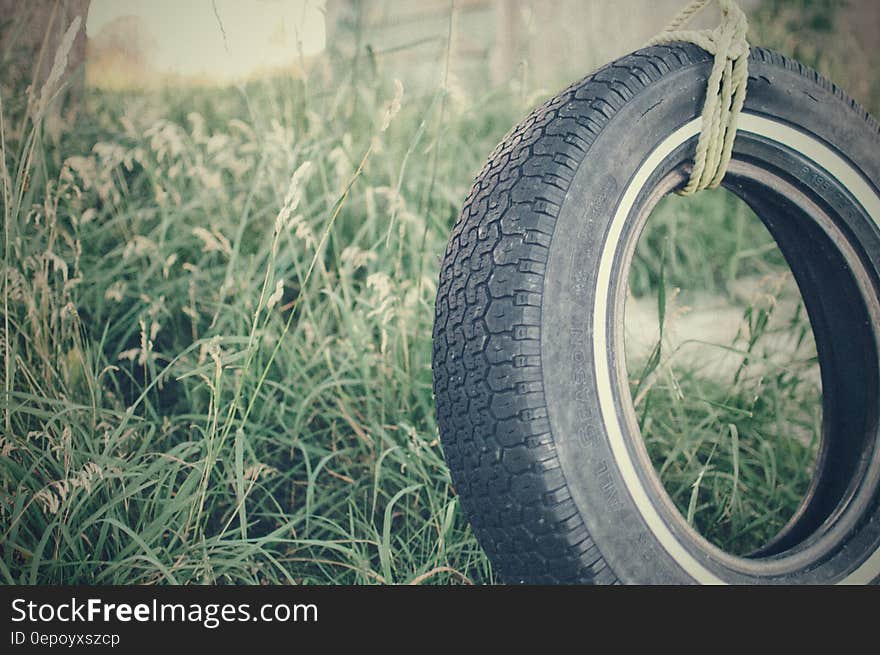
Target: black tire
(535,417)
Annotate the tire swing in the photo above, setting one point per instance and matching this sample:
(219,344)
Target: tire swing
(533,406)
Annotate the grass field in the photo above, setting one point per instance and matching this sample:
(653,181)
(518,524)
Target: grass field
(728,399)
(217,311)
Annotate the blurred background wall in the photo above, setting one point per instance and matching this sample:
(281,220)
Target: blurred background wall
(535,44)
(494,40)
(544,43)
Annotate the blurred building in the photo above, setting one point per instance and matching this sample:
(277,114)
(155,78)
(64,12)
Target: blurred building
(498,40)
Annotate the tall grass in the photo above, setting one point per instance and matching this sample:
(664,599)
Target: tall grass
(217,312)
(732,423)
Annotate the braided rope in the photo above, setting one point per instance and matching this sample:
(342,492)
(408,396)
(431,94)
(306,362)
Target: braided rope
(725,91)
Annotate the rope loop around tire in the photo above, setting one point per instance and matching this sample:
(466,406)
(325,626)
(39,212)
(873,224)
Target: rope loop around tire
(725,91)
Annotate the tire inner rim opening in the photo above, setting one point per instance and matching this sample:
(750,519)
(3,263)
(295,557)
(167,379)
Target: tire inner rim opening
(811,222)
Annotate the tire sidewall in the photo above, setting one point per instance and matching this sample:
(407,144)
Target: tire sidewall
(595,482)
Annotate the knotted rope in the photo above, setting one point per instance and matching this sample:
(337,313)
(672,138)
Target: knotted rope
(725,92)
